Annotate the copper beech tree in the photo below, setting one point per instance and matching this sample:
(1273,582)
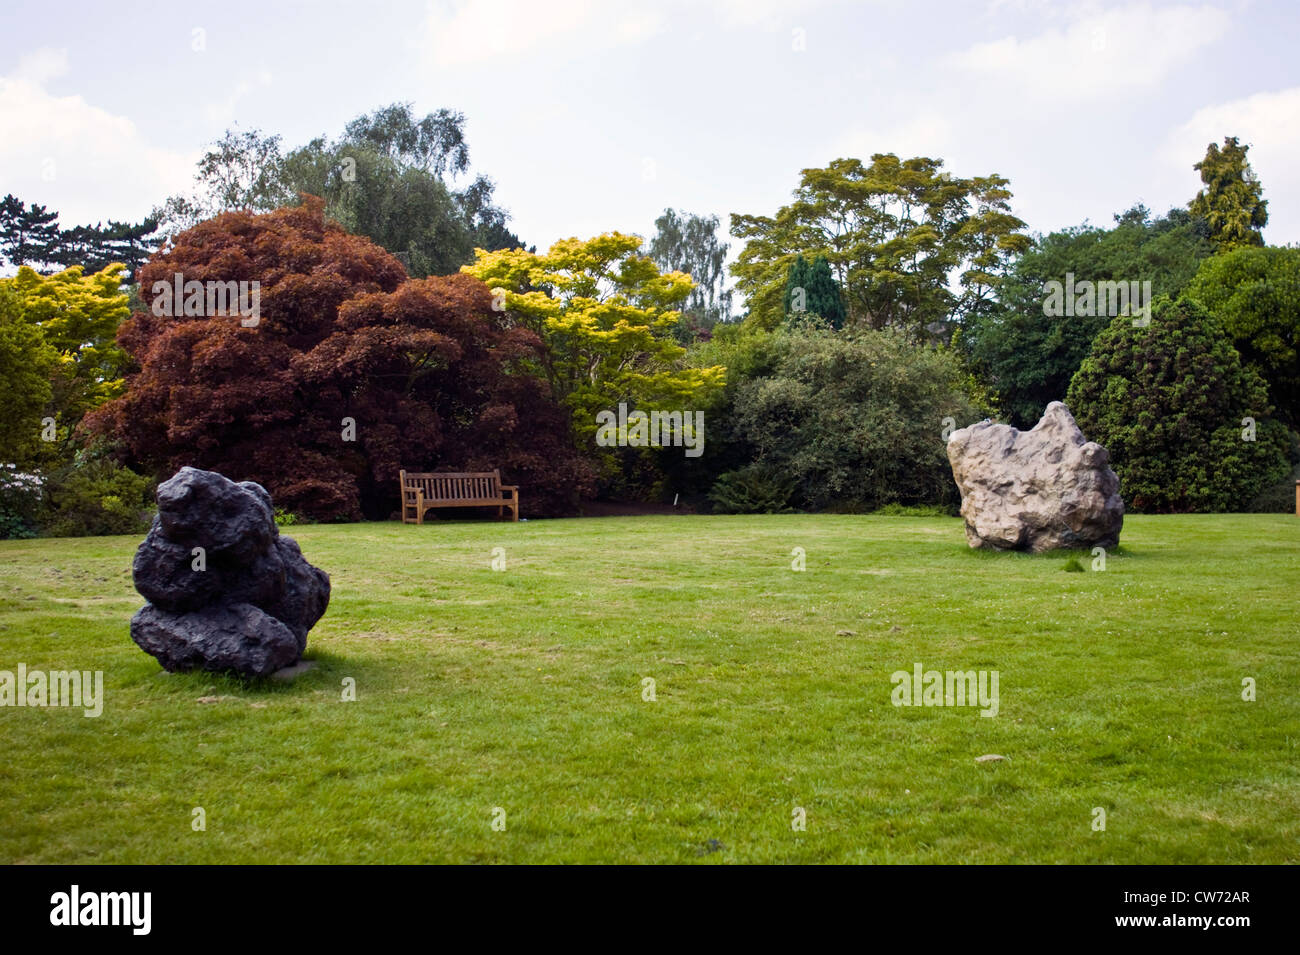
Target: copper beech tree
(344,372)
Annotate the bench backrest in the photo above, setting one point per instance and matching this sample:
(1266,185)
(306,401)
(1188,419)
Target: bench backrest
(468,486)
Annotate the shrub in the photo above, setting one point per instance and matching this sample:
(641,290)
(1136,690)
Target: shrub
(855,418)
(745,352)
(1168,402)
(20,503)
(91,498)
(1255,294)
(755,489)
(1277,498)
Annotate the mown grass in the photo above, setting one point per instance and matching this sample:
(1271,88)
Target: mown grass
(523,689)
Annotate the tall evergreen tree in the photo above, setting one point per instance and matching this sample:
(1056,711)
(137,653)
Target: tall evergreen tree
(824,297)
(98,246)
(130,243)
(29,234)
(796,287)
(1232,201)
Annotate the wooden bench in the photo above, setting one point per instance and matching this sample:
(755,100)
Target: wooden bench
(423,490)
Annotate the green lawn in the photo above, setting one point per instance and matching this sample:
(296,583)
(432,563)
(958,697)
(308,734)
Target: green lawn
(523,689)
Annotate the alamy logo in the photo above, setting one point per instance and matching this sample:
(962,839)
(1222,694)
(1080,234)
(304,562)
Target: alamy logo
(103,908)
(953,688)
(659,429)
(1087,299)
(195,299)
(76,688)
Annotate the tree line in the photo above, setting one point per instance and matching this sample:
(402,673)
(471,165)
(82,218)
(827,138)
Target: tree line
(889,297)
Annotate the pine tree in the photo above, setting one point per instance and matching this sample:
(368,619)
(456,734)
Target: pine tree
(97,246)
(79,245)
(29,235)
(129,243)
(796,287)
(824,297)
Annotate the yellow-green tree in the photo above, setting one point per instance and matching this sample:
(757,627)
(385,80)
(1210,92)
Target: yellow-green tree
(606,314)
(1232,202)
(77,316)
(25,365)
(909,245)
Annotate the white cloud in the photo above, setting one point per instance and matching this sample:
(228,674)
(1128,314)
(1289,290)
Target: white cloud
(1267,122)
(460,32)
(1098,54)
(767,14)
(80,160)
(42,65)
(223,113)
(486,30)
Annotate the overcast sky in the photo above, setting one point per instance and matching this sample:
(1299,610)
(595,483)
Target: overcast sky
(595,116)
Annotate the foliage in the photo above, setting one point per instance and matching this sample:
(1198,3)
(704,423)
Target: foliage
(1255,295)
(351,374)
(92,497)
(606,314)
(26,364)
(78,316)
(97,247)
(753,489)
(1028,357)
(796,282)
(29,234)
(405,210)
(419,150)
(435,143)
(744,351)
(1278,497)
(385,178)
(689,244)
(856,417)
(1232,201)
(20,503)
(811,290)
(893,233)
(1168,401)
(242,170)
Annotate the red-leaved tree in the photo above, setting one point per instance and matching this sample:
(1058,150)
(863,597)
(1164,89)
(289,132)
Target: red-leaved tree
(351,372)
